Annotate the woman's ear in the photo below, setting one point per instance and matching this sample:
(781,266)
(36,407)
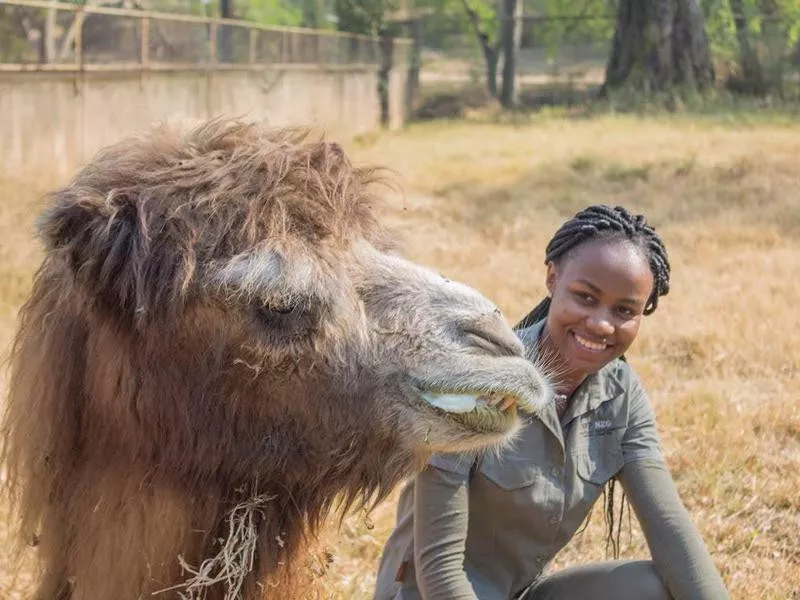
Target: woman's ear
(550,280)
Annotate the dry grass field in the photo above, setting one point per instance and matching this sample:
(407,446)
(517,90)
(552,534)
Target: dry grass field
(720,357)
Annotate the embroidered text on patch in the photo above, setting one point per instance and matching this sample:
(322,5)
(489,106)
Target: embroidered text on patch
(599,427)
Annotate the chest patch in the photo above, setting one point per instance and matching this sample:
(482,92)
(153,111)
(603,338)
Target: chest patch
(592,427)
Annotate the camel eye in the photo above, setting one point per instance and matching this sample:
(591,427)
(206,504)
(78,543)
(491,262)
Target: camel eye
(268,311)
(281,322)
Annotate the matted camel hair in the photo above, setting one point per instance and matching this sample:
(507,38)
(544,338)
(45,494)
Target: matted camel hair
(221,349)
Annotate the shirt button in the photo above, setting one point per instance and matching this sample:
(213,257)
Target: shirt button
(540,560)
(555,471)
(553,520)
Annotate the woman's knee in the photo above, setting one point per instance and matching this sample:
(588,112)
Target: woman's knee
(642,575)
(611,580)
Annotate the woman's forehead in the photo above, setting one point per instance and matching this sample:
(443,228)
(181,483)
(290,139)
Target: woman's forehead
(614,266)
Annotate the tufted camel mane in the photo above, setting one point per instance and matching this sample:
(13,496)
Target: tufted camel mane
(220,349)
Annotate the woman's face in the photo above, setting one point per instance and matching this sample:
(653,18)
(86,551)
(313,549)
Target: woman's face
(599,291)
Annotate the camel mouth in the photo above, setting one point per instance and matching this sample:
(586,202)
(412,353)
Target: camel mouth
(473,411)
(460,403)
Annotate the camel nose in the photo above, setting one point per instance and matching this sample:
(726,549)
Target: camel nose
(491,332)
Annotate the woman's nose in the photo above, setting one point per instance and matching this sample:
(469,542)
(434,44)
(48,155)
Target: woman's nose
(599,325)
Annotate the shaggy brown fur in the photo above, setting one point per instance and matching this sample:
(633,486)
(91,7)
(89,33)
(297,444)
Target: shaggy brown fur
(219,322)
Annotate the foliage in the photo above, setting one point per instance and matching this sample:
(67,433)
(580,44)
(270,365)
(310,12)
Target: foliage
(363,16)
(588,22)
(13,45)
(272,12)
(450,16)
(722,29)
(316,13)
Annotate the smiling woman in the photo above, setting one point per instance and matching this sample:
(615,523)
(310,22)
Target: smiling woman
(488,528)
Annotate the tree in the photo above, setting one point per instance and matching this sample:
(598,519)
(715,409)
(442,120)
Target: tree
(315,13)
(512,37)
(659,45)
(363,16)
(483,19)
(271,12)
(759,41)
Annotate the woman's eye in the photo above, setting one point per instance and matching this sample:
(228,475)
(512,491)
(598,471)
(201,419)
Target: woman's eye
(625,311)
(584,298)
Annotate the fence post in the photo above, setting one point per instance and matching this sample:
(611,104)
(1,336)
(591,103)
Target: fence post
(253,39)
(212,43)
(384,74)
(79,17)
(50,33)
(144,51)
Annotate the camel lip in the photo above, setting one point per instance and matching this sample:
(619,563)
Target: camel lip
(461,400)
(481,420)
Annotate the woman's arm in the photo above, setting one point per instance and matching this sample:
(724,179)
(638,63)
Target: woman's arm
(440,534)
(679,553)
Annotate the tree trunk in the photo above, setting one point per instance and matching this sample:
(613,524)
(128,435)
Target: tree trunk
(512,34)
(414,31)
(775,41)
(491,52)
(752,78)
(659,45)
(384,73)
(225,51)
(492,57)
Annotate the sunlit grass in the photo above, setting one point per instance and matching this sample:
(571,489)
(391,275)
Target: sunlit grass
(721,355)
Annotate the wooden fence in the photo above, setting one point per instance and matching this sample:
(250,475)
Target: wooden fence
(41,35)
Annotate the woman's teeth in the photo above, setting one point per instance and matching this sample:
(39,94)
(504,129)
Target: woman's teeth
(589,345)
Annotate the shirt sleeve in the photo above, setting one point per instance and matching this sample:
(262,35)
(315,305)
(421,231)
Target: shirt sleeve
(641,438)
(676,546)
(440,530)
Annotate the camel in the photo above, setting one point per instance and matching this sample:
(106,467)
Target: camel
(222,347)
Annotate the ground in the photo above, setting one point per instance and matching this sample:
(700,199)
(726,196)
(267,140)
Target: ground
(720,357)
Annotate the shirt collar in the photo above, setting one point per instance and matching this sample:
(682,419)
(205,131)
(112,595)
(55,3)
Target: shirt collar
(596,389)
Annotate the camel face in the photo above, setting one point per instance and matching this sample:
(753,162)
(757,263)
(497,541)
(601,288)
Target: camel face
(442,348)
(382,337)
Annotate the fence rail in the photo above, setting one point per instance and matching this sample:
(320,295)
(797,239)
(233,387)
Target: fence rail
(39,35)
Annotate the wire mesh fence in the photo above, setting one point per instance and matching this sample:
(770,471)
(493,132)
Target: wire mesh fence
(44,35)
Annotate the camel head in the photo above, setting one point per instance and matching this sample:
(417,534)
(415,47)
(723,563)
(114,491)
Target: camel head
(241,313)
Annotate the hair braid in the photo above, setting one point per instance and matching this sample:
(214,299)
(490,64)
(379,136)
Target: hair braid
(604,222)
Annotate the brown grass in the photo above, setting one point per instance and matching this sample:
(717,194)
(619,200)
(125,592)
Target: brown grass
(721,356)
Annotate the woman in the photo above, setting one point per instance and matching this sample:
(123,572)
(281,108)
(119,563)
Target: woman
(486,528)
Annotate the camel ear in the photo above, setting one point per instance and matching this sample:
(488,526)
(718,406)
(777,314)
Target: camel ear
(106,247)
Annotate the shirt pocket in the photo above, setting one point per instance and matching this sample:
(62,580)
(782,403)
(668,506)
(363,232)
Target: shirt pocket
(509,472)
(600,457)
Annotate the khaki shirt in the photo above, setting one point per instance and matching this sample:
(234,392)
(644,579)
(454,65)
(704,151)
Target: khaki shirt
(502,517)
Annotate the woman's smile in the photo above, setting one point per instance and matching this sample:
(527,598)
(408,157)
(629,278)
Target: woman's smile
(585,344)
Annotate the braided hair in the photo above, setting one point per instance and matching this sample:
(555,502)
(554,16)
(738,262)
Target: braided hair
(601,222)
(604,222)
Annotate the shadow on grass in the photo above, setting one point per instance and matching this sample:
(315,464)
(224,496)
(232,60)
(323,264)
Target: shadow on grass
(448,100)
(670,192)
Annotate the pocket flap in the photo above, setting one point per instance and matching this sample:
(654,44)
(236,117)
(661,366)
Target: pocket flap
(600,463)
(510,472)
